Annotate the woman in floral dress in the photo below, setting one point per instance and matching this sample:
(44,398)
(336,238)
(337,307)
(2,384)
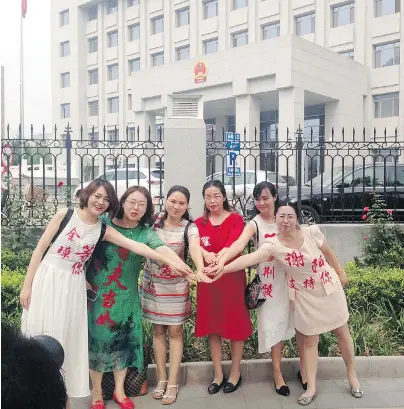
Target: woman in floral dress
(275,320)
(315,285)
(114,319)
(54,291)
(165,298)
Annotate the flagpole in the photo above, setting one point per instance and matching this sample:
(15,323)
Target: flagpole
(22,75)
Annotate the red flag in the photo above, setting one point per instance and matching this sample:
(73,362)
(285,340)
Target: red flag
(23,8)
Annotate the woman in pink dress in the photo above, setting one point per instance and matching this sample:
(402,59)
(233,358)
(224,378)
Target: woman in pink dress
(315,285)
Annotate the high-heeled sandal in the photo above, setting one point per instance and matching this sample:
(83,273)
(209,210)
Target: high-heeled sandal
(158,393)
(167,398)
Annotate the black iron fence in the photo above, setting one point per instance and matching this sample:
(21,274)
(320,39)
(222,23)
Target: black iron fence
(333,177)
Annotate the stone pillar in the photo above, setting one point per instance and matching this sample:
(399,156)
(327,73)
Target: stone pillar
(185,151)
(291,117)
(248,118)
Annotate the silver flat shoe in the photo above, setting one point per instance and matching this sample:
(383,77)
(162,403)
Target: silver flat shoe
(306,400)
(357,392)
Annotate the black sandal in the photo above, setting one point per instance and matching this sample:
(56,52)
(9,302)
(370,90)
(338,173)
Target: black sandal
(299,377)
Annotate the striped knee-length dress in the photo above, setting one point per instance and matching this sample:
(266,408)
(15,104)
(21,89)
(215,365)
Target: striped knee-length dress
(165,297)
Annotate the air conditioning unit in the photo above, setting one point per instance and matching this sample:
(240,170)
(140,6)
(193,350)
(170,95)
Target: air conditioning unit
(184,106)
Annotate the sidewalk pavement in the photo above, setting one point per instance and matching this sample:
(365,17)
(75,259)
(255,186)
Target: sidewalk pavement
(331,394)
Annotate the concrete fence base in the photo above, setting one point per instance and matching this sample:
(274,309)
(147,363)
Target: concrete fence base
(260,370)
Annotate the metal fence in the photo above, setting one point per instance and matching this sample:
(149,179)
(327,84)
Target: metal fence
(333,177)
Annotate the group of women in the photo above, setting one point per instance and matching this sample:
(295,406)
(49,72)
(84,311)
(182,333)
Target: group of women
(102,246)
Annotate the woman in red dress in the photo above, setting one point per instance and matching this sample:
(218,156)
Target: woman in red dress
(221,312)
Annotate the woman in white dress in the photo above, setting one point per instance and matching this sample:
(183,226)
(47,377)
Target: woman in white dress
(275,322)
(54,291)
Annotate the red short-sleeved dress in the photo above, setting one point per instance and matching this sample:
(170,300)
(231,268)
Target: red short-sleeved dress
(220,305)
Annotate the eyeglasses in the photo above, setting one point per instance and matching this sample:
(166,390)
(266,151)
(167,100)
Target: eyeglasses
(133,203)
(286,216)
(215,198)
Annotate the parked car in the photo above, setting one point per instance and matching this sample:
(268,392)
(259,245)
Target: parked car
(342,194)
(122,178)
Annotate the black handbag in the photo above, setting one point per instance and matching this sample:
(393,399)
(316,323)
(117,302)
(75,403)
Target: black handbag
(252,294)
(135,381)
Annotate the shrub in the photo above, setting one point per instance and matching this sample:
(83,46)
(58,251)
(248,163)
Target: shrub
(11,283)
(372,285)
(13,261)
(383,244)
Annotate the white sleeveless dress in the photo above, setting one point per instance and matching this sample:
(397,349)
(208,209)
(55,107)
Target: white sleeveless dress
(275,318)
(59,300)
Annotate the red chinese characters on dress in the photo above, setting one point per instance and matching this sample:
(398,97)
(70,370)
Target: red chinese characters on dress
(105,319)
(85,254)
(267,290)
(77,268)
(151,288)
(166,271)
(123,253)
(291,284)
(272,258)
(72,234)
(295,259)
(269,271)
(317,263)
(309,283)
(115,276)
(109,299)
(325,277)
(64,251)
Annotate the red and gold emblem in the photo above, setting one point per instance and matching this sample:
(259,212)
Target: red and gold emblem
(200,72)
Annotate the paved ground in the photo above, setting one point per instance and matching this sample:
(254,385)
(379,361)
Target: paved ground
(332,394)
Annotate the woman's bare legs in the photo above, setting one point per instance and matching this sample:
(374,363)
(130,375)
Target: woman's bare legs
(96,381)
(310,363)
(300,347)
(215,343)
(236,355)
(276,355)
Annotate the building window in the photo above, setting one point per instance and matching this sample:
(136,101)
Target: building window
(93,77)
(112,6)
(182,17)
(92,13)
(65,111)
(385,7)
(130,102)
(157,59)
(271,30)
(239,39)
(134,65)
(133,3)
(113,105)
(113,135)
(132,134)
(65,80)
(386,55)
(157,25)
(210,46)
(113,72)
(134,32)
(112,38)
(64,18)
(210,8)
(65,49)
(239,4)
(305,24)
(348,53)
(182,53)
(386,105)
(343,14)
(93,108)
(92,45)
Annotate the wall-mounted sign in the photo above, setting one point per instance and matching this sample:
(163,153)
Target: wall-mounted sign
(200,72)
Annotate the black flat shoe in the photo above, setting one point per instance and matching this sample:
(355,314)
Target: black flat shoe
(215,387)
(229,387)
(304,385)
(283,390)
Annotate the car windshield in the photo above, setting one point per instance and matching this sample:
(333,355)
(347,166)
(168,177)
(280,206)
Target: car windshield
(328,177)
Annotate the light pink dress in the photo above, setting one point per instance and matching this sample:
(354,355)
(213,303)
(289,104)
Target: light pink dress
(319,302)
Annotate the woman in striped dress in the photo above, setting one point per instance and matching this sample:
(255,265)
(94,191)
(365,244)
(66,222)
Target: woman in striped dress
(165,297)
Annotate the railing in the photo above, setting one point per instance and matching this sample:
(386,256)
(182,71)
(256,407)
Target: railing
(332,177)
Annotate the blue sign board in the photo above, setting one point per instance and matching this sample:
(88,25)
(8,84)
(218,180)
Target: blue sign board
(233,151)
